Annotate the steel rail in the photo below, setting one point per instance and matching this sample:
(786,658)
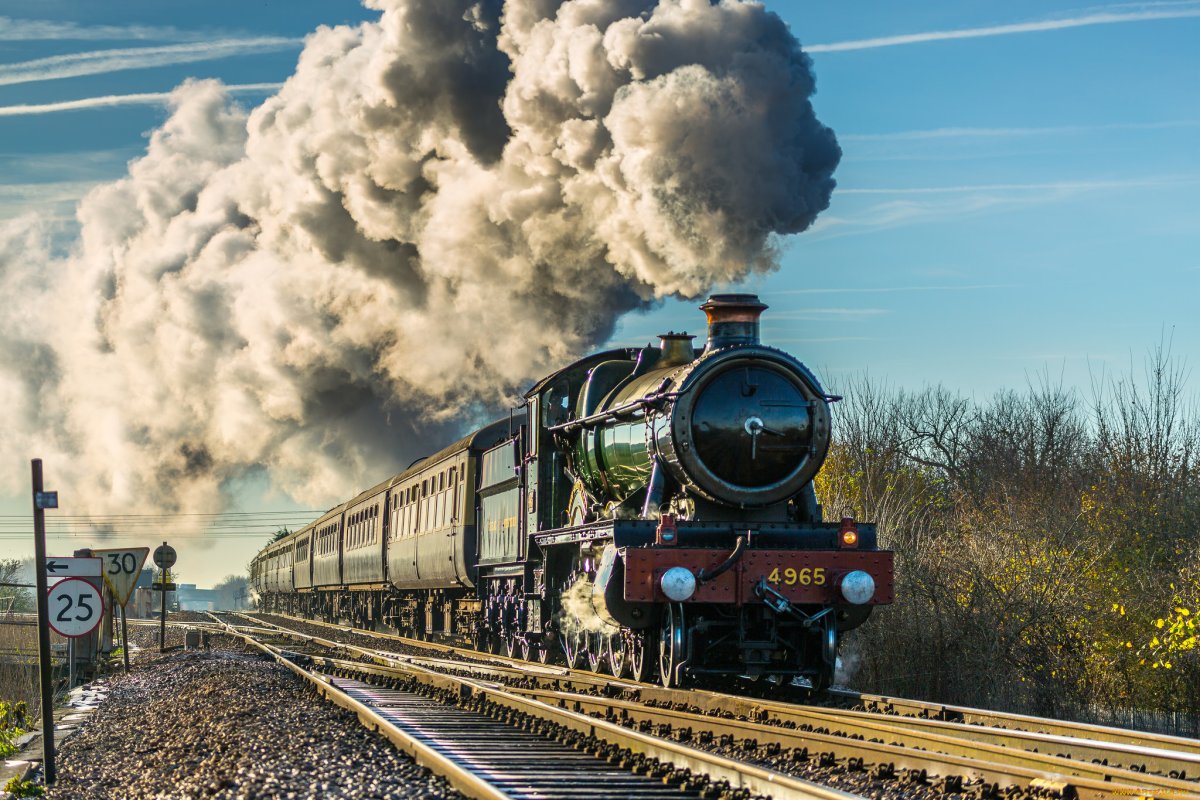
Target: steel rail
(898,706)
(448,649)
(1136,757)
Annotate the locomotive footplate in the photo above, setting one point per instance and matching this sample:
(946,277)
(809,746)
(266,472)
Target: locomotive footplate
(801,576)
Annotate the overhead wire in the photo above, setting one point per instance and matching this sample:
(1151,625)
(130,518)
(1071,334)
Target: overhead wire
(191,525)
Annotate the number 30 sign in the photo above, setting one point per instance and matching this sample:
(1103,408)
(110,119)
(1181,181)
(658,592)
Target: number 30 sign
(75,607)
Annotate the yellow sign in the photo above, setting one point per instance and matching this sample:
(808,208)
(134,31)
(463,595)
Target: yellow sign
(121,570)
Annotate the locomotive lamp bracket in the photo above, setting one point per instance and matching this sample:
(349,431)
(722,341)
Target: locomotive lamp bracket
(781,605)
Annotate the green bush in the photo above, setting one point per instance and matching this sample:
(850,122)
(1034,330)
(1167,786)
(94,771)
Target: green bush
(14,719)
(19,788)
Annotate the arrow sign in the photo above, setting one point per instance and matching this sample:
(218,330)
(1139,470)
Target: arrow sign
(121,570)
(63,567)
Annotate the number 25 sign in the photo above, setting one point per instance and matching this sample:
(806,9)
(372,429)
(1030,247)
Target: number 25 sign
(76,607)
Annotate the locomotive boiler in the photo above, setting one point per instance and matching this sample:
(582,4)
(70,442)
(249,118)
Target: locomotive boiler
(646,510)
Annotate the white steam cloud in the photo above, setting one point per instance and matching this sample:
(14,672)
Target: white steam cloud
(436,208)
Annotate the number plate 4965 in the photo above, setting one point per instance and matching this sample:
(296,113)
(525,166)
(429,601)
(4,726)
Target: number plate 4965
(798,577)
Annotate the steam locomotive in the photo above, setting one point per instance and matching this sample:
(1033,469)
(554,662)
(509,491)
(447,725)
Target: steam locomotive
(645,510)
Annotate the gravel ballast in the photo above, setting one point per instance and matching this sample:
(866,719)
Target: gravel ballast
(225,723)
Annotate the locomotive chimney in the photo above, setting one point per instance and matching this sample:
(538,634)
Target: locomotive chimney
(676,349)
(732,319)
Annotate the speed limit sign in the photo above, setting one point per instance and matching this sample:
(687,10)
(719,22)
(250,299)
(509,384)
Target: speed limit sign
(122,567)
(75,607)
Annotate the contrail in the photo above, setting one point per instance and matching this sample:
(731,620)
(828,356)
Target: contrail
(25,30)
(1105,18)
(99,62)
(113,100)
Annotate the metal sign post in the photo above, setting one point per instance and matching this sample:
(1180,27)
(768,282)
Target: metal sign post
(162,614)
(164,557)
(41,501)
(125,639)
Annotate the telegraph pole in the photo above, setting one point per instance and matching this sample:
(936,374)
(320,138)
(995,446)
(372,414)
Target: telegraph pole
(41,501)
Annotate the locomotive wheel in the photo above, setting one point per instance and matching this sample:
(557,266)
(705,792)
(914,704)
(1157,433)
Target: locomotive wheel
(822,680)
(829,644)
(640,667)
(545,650)
(573,642)
(671,645)
(597,650)
(619,649)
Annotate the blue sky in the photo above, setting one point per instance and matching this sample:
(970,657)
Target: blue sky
(1008,204)
(1019,192)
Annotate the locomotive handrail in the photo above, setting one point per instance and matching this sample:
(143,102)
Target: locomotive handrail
(649,401)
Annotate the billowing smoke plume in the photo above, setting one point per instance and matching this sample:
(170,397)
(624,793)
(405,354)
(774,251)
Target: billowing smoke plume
(435,209)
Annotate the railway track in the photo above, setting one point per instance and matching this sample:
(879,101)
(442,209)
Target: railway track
(954,750)
(492,743)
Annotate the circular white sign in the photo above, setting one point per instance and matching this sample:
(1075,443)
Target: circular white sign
(164,556)
(75,607)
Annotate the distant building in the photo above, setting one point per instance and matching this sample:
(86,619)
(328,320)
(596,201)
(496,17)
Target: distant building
(194,599)
(145,602)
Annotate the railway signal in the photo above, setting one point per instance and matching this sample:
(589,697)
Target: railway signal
(164,557)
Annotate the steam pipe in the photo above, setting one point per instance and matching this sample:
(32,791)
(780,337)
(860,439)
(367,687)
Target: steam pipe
(654,491)
(738,550)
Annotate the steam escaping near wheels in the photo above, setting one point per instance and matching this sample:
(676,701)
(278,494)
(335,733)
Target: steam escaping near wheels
(435,208)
